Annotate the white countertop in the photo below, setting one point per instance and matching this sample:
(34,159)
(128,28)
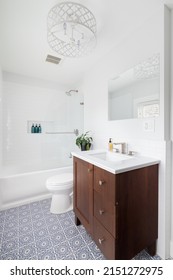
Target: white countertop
(121,164)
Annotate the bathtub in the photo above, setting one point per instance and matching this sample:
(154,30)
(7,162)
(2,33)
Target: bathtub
(18,189)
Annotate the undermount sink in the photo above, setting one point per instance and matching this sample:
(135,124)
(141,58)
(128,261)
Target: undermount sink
(110,156)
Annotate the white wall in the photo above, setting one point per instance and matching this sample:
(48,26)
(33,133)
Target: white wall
(0,128)
(0,117)
(26,100)
(172,130)
(146,41)
(139,46)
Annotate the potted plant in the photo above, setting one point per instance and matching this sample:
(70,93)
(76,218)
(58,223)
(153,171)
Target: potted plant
(84,141)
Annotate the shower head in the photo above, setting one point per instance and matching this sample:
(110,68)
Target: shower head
(70,91)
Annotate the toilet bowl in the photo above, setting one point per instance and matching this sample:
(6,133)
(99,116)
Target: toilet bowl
(61,187)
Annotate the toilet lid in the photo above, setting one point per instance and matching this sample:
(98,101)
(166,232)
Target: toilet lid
(60,179)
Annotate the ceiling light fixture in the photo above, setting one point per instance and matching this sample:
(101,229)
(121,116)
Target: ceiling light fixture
(71,29)
(148,69)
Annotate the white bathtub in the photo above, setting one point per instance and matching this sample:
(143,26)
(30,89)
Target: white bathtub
(22,188)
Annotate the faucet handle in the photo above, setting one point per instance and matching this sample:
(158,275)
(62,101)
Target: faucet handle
(131,153)
(122,147)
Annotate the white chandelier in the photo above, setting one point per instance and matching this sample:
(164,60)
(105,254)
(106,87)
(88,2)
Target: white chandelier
(149,68)
(71,29)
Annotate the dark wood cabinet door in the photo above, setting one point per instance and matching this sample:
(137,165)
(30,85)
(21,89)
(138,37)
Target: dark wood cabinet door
(104,198)
(83,193)
(104,240)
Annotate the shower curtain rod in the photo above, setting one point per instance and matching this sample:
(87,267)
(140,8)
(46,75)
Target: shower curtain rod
(76,132)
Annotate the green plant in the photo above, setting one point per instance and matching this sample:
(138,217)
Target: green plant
(84,141)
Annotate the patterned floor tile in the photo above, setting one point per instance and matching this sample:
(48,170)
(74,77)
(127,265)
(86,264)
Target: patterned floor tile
(9,245)
(1,228)
(47,255)
(0,237)
(12,217)
(69,257)
(25,228)
(66,223)
(43,244)
(7,235)
(13,255)
(143,255)
(26,239)
(25,213)
(11,225)
(23,207)
(84,254)
(71,232)
(53,228)
(95,250)
(57,238)
(36,216)
(62,216)
(12,211)
(27,252)
(86,237)
(31,232)
(156,257)
(24,221)
(77,243)
(39,224)
(35,204)
(50,220)
(45,201)
(45,207)
(2,214)
(81,228)
(40,233)
(62,250)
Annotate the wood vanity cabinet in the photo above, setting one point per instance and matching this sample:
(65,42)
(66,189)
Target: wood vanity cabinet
(83,193)
(119,211)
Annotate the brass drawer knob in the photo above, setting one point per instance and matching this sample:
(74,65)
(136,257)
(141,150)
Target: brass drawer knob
(89,170)
(101,182)
(101,212)
(101,240)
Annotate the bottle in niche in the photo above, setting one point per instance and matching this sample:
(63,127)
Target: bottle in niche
(39,129)
(32,128)
(36,129)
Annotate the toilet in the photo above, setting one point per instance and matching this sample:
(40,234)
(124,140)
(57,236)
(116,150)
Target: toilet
(61,187)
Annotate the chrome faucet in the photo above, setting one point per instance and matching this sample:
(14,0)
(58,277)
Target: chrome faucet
(121,149)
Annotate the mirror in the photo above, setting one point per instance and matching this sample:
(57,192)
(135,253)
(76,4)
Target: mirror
(135,93)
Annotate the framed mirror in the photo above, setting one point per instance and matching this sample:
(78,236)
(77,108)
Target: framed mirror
(136,92)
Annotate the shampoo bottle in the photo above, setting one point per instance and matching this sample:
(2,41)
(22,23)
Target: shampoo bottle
(32,128)
(110,145)
(35,128)
(39,129)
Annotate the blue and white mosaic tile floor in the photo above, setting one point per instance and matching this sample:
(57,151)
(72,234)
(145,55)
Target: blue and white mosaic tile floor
(31,232)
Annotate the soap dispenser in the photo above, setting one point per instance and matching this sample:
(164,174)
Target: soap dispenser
(110,145)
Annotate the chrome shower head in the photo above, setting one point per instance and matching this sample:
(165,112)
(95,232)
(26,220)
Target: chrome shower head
(70,91)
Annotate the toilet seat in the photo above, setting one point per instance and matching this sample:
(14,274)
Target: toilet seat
(64,180)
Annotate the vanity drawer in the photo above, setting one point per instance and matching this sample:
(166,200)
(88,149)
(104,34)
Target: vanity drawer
(104,240)
(104,183)
(104,211)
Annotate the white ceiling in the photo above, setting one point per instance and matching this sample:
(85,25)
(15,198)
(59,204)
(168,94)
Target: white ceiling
(23,35)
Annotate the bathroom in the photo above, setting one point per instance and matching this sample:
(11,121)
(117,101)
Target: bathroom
(38,95)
